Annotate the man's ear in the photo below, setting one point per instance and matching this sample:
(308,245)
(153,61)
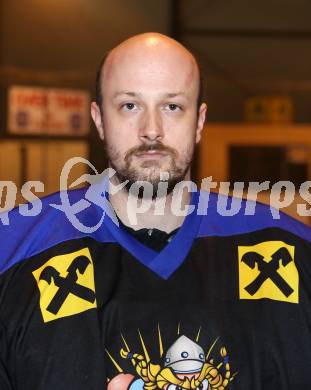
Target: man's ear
(200,122)
(97,118)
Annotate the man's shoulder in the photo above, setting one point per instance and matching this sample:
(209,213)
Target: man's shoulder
(31,228)
(228,216)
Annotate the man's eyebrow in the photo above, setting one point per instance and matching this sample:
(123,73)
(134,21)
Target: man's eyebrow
(174,94)
(127,93)
(138,95)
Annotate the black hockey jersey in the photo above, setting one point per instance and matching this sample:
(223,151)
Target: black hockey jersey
(225,305)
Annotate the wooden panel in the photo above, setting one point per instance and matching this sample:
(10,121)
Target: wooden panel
(213,159)
(24,160)
(57,154)
(10,160)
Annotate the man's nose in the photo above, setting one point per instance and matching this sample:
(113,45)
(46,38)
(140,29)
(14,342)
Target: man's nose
(151,127)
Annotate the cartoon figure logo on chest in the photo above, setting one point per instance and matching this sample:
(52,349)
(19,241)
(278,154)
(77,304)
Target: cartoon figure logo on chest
(185,367)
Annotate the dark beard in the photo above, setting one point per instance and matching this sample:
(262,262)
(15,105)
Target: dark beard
(175,175)
(171,183)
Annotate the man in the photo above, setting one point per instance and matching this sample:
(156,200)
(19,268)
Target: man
(149,120)
(176,300)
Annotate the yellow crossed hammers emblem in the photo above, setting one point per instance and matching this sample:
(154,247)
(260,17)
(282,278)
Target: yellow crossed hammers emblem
(268,270)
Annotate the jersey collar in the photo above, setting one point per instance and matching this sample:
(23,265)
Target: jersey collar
(167,261)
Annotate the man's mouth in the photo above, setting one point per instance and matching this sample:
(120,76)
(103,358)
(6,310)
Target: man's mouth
(151,154)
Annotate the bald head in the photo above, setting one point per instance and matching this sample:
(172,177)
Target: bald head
(147,110)
(153,55)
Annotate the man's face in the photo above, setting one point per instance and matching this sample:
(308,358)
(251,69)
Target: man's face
(150,120)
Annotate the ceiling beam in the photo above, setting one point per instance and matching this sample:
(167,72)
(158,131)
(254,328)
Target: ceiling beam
(175,19)
(247,33)
(17,75)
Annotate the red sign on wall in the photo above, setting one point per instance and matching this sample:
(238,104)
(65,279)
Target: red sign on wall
(48,111)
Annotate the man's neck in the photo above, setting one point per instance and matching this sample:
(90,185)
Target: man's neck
(150,213)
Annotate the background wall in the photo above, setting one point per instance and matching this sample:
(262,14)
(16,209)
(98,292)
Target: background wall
(250,48)
(72,35)
(246,49)
(56,43)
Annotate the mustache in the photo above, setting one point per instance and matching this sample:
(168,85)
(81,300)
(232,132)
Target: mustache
(155,147)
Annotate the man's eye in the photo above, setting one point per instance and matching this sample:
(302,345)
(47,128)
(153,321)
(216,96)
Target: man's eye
(129,106)
(173,107)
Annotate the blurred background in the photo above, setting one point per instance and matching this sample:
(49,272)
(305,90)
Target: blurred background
(255,58)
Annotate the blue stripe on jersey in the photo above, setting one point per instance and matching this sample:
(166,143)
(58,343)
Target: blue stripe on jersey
(28,236)
(215,224)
